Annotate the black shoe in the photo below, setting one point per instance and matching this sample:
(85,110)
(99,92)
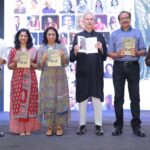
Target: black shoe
(1,134)
(117,131)
(81,130)
(99,130)
(138,132)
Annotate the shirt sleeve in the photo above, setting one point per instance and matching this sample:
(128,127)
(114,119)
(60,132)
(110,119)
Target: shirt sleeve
(3,50)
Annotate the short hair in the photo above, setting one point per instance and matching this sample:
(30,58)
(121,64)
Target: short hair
(67,16)
(113,4)
(70,3)
(78,2)
(89,12)
(124,12)
(19,1)
(106,66)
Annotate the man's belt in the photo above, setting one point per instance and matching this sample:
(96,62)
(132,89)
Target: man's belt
(126,63)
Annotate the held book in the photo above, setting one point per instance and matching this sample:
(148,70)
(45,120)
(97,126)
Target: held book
(23,59)
(127,45)
(87,45)
(54,58)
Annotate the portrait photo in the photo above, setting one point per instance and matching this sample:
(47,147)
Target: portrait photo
(33,23)
(48,6)
(33,7)
(68,22)
(50,21)
(63,36)
(67,7)
(20,7)
(100,22)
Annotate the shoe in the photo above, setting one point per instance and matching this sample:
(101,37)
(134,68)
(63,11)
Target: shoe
(59,131)
(138,132)
(1,134)
(117,131)
(99,130)
(49,132)
(81,130)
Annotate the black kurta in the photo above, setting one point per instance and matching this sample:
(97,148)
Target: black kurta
(89,71)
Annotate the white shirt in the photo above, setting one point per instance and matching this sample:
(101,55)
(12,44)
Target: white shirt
(3,50)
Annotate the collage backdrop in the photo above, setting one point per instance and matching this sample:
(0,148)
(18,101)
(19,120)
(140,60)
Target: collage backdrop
(66,16)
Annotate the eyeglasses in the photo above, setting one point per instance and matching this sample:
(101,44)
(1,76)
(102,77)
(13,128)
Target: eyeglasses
(125,18)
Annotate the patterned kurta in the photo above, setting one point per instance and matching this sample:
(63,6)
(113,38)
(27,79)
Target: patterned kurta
(23,97)
(53,90)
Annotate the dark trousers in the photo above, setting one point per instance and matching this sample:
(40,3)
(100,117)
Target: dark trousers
(131,73)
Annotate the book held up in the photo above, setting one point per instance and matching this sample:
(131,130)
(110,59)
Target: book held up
(23,59)
(127,45)
(87,45)
(54,58)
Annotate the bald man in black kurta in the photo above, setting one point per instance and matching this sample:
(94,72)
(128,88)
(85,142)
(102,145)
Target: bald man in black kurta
(89,74)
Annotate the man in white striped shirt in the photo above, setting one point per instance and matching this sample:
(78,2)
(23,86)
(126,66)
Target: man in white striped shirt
(3,58)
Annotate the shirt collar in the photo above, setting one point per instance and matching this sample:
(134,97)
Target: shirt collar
(89,32)
(127,30)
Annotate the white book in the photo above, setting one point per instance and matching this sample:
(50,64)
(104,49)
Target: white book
(87,45)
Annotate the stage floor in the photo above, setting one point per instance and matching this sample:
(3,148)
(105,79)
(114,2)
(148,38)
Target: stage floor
(71,141)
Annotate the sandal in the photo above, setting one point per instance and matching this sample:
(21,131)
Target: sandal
(59,131)
(28,133)
(22,134)
(49,131)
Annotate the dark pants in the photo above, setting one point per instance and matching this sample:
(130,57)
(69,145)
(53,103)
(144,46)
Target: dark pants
(131,73)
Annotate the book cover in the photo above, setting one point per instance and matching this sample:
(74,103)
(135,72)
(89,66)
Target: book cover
(87,45)
(127,45)
(54,58)
(24,59)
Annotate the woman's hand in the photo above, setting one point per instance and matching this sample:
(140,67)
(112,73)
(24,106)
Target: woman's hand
(62,53)
(33,65)
(15,59)
(45,57)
